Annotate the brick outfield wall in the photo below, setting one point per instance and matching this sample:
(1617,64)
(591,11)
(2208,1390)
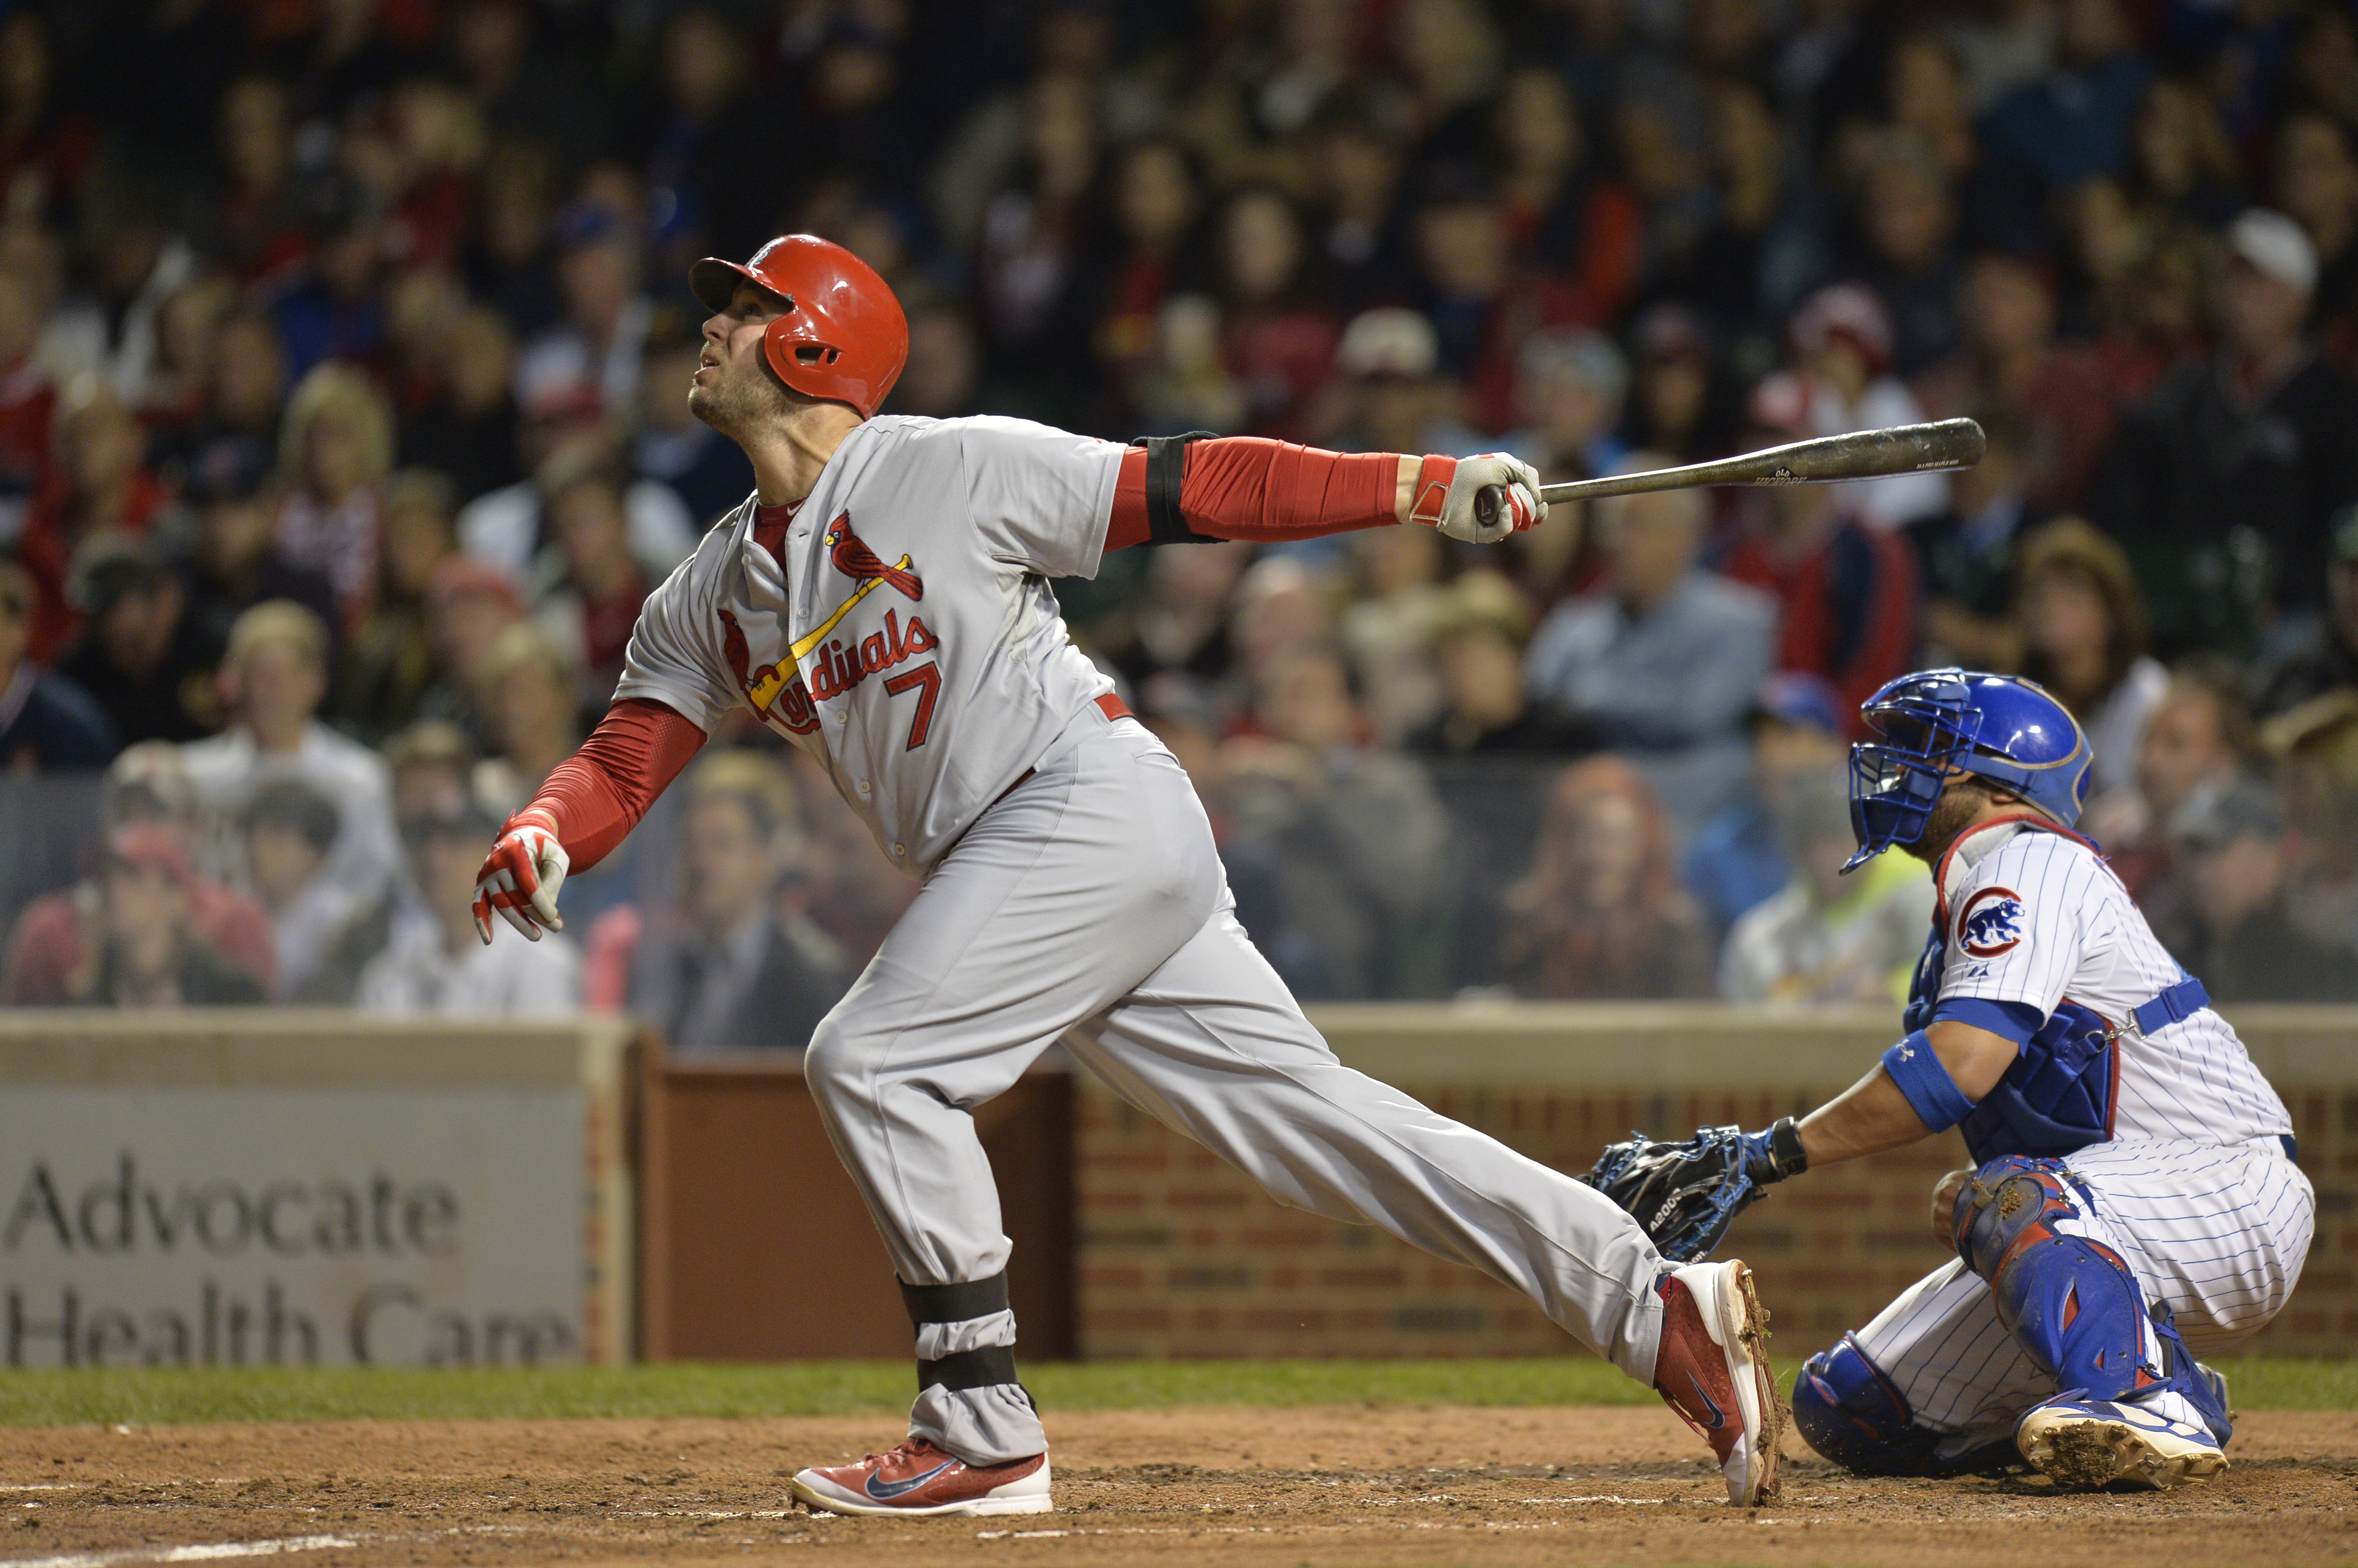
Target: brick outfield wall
(1179,1255)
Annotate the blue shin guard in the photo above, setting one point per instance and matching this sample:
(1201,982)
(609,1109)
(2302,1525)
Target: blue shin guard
(2069,1301)
(1852,1414)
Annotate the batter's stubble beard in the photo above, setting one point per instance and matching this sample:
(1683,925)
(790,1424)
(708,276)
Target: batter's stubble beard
(735,404)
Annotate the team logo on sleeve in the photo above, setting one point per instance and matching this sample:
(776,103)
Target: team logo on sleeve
(1991,922)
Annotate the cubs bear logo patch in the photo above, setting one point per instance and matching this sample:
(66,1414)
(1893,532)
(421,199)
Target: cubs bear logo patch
(1991,922)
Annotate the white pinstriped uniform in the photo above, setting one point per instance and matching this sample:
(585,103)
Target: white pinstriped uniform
(2193,1189)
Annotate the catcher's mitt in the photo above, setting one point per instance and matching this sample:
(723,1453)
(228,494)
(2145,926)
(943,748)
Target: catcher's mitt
(1687,1195)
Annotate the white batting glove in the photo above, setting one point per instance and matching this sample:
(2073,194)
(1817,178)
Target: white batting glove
(1446,488)
(521,876)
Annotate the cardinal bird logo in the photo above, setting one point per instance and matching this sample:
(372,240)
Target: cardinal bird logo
(855,560)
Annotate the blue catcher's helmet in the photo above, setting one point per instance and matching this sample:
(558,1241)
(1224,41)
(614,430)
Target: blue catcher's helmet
(1936,723)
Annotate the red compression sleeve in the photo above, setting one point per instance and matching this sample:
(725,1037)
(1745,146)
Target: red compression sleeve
(1243,487)
(598,794)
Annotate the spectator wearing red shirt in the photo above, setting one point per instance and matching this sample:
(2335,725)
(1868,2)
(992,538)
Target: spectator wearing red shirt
(1845,591)
(27,399)
(97,486)
(53,951)
(2058,392)
(1278,341)
(589,611)
(1562,216)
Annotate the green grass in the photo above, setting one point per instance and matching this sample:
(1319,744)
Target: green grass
(164,1396)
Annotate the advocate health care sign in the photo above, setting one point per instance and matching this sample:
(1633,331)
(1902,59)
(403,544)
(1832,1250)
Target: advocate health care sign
(240,1187)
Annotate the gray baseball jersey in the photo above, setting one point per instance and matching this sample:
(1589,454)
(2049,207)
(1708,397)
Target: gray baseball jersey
(902,633)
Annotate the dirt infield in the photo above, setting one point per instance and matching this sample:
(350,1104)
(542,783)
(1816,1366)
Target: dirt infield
(1322,1486)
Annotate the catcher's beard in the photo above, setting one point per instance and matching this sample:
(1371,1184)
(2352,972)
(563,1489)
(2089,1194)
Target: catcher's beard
(1959,803)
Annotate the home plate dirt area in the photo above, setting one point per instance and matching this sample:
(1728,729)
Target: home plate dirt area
(1319,1486)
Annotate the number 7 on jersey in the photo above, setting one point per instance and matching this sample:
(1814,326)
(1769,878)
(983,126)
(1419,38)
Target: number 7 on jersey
(925,680)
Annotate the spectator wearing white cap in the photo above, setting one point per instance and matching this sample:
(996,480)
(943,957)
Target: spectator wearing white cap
(2222,486)
(1392,397)
(1842,353)
(1569,389)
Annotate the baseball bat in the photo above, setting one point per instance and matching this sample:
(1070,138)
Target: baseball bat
(1823,460)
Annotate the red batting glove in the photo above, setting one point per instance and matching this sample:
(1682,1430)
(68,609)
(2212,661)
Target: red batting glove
(521,876)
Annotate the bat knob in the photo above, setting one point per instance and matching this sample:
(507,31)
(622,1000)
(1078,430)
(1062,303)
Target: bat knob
(1487,502)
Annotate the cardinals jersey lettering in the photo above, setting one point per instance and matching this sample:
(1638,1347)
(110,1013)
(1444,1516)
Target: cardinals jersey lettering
(2035,917)
(902,631)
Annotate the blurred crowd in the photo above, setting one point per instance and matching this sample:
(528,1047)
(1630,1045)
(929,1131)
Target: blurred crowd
(343,431)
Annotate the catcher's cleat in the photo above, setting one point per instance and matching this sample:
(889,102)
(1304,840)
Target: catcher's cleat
(2092,1443)
(917,1478)
(1713,1368)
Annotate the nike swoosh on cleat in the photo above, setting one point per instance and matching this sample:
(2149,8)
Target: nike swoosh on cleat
(1718,1417)
(892,1489)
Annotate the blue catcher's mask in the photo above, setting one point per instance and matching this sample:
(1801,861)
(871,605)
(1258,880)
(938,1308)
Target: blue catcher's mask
(1935,724)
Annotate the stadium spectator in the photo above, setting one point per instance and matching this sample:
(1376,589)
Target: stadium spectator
(730,969)
(318,925)
(1402,596)
(530,701)
(53,950)
(1565,216)
(2316,751)
(591,360)
(1277,334)
(2244,940)
(245,387)
(234,561)
(1336,851)
(1390,396)
(1568,390)
(97,494)
(1677,403)
(432,769)
(942,381)
(2084,638)
(1827,938)
(1965,556)
(1478,642)
(335,450)
(150,952)
(47,723)
(27,400)
(386,666)
(467,429)
(437,965)
(2196,742)
(273,675)
(2075,119)
(1733,860)
(2320,654)
(1601,915)
(1845,591)
(1841,381)
(143,656)
(2224,526)
(508,529)
(2057,396)
(589,609)
(1662,655)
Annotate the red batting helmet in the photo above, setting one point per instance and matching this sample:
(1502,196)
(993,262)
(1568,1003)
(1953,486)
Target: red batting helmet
(841,335)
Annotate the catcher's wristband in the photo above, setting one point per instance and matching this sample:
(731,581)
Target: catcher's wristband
(1785,1157)
(1917,1070)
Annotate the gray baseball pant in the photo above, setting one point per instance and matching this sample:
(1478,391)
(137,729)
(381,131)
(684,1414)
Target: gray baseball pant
(1089,905)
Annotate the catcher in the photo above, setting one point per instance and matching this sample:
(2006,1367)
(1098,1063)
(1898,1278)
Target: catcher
(2134,1194)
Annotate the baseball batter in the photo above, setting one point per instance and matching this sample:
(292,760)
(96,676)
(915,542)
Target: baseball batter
(2134,1197)
(881,601)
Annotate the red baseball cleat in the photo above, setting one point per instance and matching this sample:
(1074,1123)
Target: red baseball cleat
(1713,1368)
(919,1479)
